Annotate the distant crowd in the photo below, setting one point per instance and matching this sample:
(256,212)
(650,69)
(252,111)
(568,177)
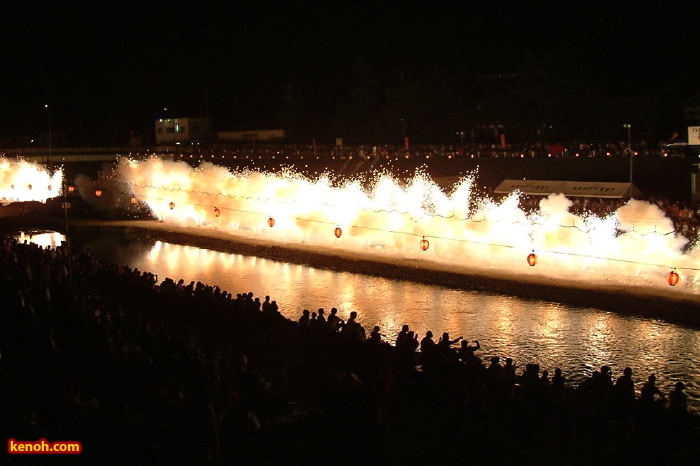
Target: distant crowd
(684,215)
(188,373)
(492,150)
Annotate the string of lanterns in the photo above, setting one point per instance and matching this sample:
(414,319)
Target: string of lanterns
(673,277)
(98,193)
(378,210)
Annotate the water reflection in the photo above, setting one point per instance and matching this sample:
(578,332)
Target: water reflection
(551,334)
(42,238)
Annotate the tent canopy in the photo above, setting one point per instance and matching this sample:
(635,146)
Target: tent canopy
(569,188)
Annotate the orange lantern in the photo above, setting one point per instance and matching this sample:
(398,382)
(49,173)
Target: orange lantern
(50,188)
(217,212)
(98,192)
(532,259)
(672,277)
(424,244)
(71,188)
(171,205)
(338,232)
(12,186)
(29,186)
(271,222)
(134,200)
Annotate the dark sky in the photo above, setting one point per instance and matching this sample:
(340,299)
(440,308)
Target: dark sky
(122,62)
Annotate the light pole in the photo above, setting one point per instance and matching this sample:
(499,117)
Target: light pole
(48,160)
(403,134)
(171,121)
(628,127)
(460,134)
(65,220)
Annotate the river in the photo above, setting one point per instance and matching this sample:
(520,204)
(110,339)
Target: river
(578,340)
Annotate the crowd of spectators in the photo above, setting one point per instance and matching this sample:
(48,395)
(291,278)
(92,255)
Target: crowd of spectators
(471,150)
(684,216)
(187,373)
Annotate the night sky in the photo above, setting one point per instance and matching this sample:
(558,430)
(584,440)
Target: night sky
(109,68)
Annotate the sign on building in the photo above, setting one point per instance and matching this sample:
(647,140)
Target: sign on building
(694,135)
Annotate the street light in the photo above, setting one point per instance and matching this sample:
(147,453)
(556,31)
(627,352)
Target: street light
(628,127)
(403,133)
(48,107)
(171,121)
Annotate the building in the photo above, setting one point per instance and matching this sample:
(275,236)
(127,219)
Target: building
(181,130)
(691,110)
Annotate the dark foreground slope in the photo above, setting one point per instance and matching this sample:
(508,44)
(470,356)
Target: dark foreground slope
(145,374)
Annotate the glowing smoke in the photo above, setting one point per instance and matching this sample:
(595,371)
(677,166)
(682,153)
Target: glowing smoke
(634,246)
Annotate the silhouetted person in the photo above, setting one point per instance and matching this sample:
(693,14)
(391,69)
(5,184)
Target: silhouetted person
(313,322)
(401,337)
(352,330)
(428,350)
(375,336)
(444,348)
(678,400)
(334,322)
(495,377)
(322,317)
(467,353)
(624,388)
(651,396)
(558,386)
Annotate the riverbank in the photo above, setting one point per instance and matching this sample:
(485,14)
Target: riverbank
(666,304)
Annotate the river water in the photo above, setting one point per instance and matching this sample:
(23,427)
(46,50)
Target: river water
(578,340)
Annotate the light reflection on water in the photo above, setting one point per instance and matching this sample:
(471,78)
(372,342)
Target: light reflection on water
(550,334)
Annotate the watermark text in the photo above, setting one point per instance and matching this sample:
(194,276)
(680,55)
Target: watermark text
(43,447)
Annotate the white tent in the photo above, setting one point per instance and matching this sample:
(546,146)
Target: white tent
(569,188)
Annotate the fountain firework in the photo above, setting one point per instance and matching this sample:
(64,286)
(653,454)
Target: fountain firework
(415,220)
(22,181)
(635,246)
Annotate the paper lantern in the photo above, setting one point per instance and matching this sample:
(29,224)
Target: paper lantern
(217,212)
(271,222)
(338,232)
(424,244)
(171,205)
(134,200)
(98,192)
(532,259)
(673,277)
